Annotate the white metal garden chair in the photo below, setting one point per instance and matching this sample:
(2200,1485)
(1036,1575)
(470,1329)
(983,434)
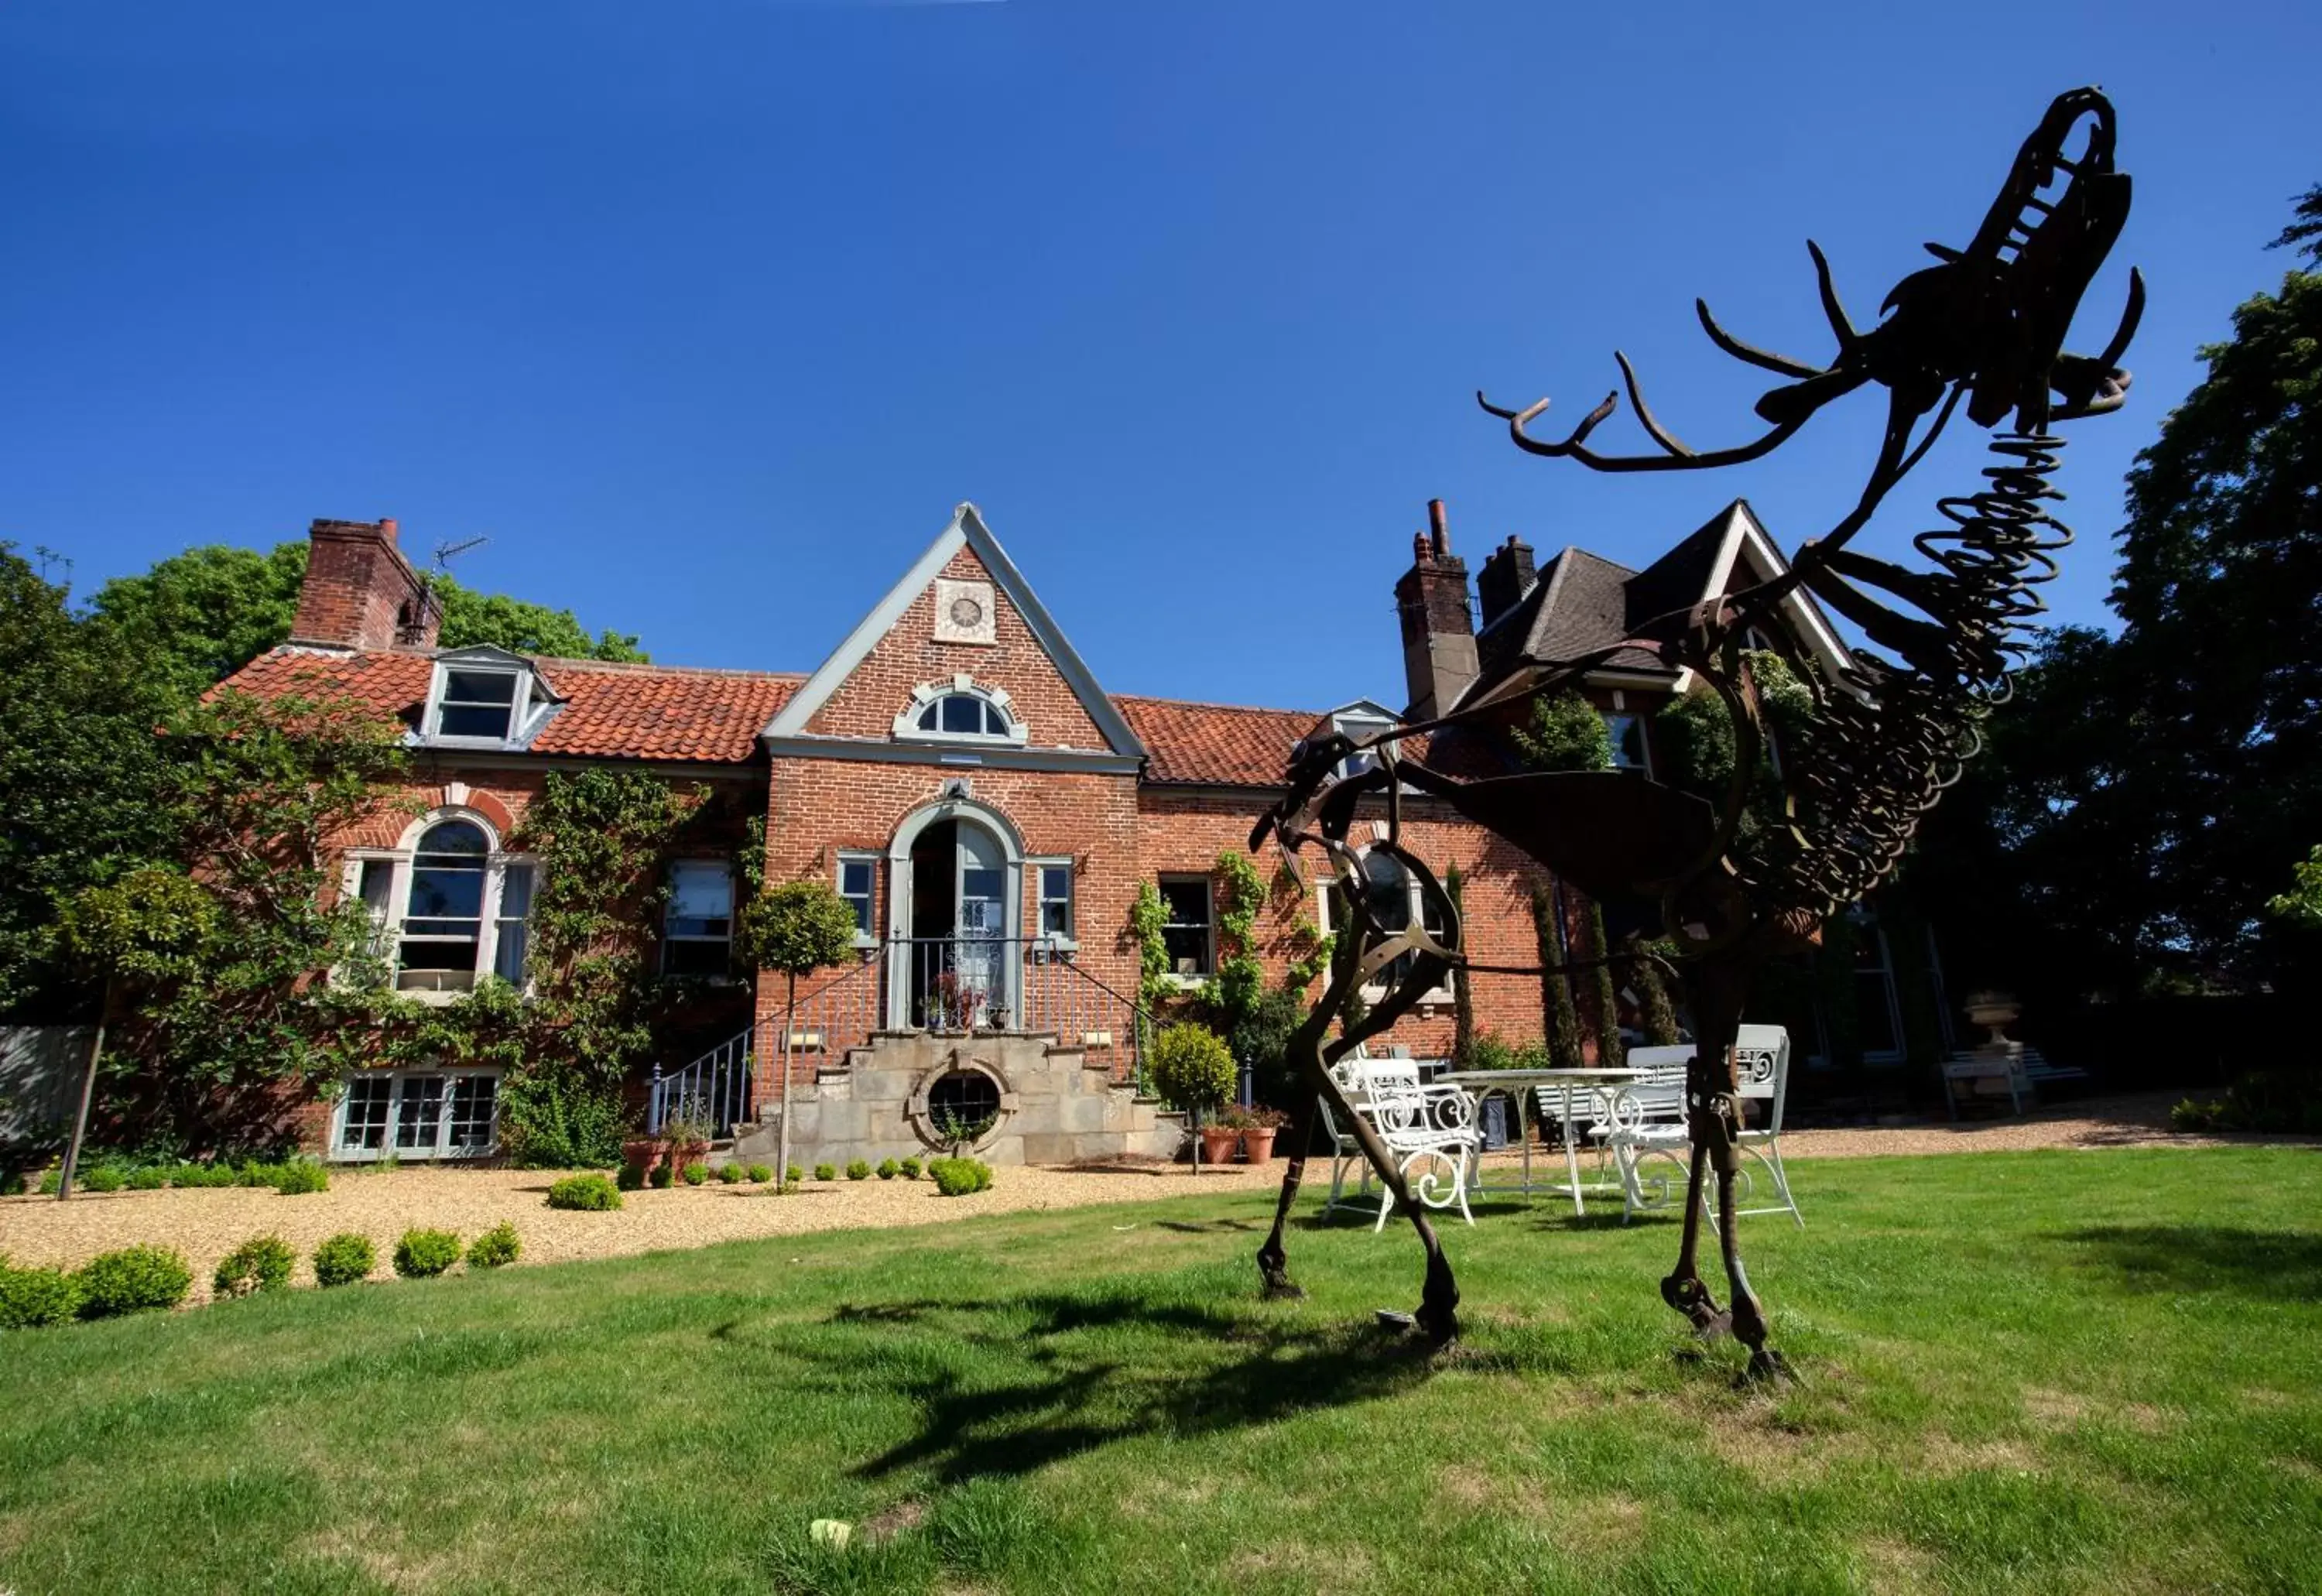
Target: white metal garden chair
(1647,1121)
(1429,1130)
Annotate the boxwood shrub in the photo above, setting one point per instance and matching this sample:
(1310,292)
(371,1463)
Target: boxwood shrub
(859,1170)
(261,1263)
(132,1279)
(731,1173)
(344,1259)
(591,1194)
(695,1173)
(425,1253)
(300,1176)
(910,1168)
(495,1248)
(957,1177)
(888,1168)
(826,1171)
(760,1174)
(30,1299)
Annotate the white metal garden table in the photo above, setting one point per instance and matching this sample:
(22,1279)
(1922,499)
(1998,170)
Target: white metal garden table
(1520,1084)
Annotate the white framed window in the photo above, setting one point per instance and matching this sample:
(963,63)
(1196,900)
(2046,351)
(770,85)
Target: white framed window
(447,909)
(697,932)
(859,884)
(1626,733)
(417,1114)
(1395,900)
(1052,879)
(1188,925)
(960,710)
(1357,728)
(485,697)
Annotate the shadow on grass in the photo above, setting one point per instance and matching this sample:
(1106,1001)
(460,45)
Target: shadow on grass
(1081,1395)
(2275,1263)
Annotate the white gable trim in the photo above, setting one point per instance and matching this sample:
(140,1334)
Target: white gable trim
(966,530)
(1742,531)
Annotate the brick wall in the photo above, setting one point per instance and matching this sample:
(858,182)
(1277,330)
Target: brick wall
(880,687)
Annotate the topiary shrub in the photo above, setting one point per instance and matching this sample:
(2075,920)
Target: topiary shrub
(760,1174)
(590,1193)
(344,1259)
(957,1177)
(859,1170)
(696,1173)
(261,1263)
(1193,1068)
(34,1299)
(792,1175)
(910,1168)
(496,1248)
(661,1178)
(300,1176)
(630,1179)
(422,1253)
(731,1173)
(133,1279)
(888,1168)
(826,1171)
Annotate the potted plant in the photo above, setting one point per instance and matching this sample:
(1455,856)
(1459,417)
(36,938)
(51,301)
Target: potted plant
(1194,1069)
(640,1153)
(1259,1128)
(687,1133)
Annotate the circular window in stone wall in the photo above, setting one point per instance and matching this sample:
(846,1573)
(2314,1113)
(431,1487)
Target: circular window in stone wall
(964,1099)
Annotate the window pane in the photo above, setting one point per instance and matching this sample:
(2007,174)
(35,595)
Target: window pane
(854,877)
(700,890)
(447,954)
(373,885)
(1186,903)
(364,1127)
(453,836)
(420,1115)
(473,1098)
(962,712)
(1057,901)
(440,892)
(1188,948)
(1185,933)
(460,720)
(931,716)
(478,687)
(515,936)
(1386,890)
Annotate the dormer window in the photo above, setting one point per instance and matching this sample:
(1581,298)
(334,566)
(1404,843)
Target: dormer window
(1360,725)
(960,711)
(486,697)
(477,704)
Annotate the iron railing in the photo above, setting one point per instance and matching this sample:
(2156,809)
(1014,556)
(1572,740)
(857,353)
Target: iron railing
(1019,985)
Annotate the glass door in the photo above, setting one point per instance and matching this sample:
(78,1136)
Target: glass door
(978,949)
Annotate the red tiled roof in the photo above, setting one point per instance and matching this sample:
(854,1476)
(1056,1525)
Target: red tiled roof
(611,711)
(1215,745)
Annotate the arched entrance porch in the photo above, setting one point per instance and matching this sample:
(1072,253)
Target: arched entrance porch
(954,910)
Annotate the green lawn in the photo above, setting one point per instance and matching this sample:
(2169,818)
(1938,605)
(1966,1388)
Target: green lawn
(2054,1372)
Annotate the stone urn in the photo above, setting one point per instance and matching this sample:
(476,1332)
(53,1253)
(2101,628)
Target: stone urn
(1995,1011)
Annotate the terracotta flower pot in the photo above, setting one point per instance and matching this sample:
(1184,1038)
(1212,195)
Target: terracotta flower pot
(683,1153)
(1257,1143)
(1218,1144)
(642,1155)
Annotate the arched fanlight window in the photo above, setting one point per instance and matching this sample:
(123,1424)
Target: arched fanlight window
(964,715)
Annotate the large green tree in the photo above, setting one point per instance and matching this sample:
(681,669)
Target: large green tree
(197,617)
(2145,795)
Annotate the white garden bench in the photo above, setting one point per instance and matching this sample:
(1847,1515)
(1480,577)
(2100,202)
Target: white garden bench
(1430,1131)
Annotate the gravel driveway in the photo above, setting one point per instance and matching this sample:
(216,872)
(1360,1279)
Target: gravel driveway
(206,1224)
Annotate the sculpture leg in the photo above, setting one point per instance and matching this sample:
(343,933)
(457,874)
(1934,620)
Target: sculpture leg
(1273,1261)
(1716,1017)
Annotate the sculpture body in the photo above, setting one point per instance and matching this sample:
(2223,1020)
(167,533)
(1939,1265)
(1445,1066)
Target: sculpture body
(1981,330)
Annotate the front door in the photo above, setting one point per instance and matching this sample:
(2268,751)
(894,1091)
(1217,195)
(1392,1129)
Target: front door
(979,959)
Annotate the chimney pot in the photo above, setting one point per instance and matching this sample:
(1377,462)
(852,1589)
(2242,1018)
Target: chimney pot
(1439,536)
(387,528)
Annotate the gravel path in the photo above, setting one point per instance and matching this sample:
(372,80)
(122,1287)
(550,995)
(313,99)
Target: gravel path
(206,1224)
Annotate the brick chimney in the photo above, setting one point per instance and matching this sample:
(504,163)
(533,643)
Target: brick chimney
(1507,575)
(1439,633)
(360,592)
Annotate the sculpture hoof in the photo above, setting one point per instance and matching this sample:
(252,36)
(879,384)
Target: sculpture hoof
(1767,1367)
(1282,1290)
(1397,1324)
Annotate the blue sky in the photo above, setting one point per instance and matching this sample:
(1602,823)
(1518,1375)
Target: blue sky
(707,312)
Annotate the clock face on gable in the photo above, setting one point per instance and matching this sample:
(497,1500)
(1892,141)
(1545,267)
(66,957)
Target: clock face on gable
(963,612)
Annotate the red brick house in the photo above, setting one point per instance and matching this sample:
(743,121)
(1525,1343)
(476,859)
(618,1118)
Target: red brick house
(956,772)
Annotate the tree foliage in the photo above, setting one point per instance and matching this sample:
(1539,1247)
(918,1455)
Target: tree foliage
(196,617)
(797,927)
(1564,733)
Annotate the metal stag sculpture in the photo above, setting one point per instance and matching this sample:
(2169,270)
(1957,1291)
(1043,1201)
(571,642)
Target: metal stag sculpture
(1888,731)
